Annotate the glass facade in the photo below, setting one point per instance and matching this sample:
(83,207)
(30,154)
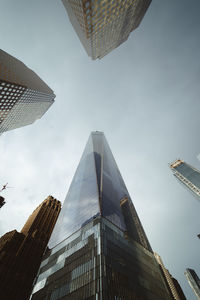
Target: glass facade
(82,201)
(110,183)
(96,189)
(194,281)
(104,25)
(99,263)
(187,175)
(99,250)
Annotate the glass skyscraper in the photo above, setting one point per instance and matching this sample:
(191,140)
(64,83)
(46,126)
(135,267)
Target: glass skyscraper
(24,96)
(99,249)
(102,25)
(193,281)
(187,175)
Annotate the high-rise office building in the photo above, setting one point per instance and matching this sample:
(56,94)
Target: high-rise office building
(102,25)
(194,281)
(24,96)
(187,175)
(21,253)
(172,283)
(99,250)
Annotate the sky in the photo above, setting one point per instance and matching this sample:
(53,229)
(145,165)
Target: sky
(144,96)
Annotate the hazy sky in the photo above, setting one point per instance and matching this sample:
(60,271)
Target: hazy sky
(144,95)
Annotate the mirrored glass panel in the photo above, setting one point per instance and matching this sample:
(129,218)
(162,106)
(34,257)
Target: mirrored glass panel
(82,201)
(188,172)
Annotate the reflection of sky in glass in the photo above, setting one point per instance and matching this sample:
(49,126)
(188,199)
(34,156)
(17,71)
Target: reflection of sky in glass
(113,189)
(97,187)
(82,200)
(111,185)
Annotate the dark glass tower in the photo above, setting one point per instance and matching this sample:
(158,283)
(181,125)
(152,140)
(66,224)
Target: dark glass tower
(100,250)
(187,175)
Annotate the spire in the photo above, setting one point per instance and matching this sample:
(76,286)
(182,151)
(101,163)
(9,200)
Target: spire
(97,189)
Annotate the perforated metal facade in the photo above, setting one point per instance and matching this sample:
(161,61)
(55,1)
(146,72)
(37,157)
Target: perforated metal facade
(102,25)
(24,97)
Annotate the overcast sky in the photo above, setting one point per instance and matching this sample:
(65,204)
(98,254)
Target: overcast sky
(144,96)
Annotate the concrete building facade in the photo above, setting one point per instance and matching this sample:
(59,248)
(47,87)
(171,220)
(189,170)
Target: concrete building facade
(21,252)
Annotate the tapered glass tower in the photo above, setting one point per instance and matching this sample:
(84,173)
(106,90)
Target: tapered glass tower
(102,25)
(187,175)
(99,249)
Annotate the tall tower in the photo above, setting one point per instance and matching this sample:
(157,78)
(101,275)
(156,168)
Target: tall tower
(103,25)
(24,97)
(172,283)
(194,281)
(187,175)
(21,253)
(100,250)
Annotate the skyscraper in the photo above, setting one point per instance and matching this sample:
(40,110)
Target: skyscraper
(99,248)
(194,281)
(24,97)
(187,175)
(102,25)
(21,253)
(171,282)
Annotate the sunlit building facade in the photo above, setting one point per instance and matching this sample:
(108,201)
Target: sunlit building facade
(187,175)
(99,250)
(103,25)
(24,96)
(21,252)
(172,283)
